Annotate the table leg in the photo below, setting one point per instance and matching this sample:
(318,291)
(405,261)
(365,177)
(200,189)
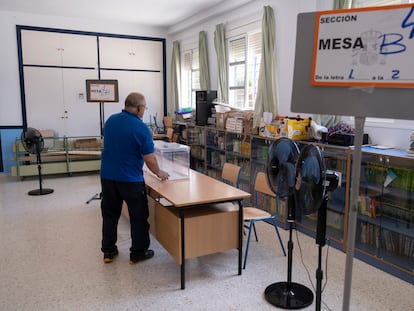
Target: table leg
(240,235)
(182,266)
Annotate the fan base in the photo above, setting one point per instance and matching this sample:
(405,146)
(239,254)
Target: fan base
(40,191)
(287,295)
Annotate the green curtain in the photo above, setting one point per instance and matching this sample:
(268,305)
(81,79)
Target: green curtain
(342,4)
(203,61)
(176,75)
(220,46)
(266,99)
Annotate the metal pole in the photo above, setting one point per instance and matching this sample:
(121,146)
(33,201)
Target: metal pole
(355,177)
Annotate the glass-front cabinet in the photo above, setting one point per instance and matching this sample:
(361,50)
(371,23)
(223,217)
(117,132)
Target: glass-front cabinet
(385,226)
(215,151)
(238,148)
(195,138)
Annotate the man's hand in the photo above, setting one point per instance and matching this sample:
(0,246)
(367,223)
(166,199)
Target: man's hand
(163,175)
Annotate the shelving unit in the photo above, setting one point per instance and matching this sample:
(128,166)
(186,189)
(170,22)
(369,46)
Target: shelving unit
(238,147)
(195,138)
(62,155)
(385,241)
(215,151)
(385,224)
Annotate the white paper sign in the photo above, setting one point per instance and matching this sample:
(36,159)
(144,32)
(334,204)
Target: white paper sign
(370,47)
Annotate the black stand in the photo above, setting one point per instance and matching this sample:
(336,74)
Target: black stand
(97,196)
(320,240)
(289,295)
(39,191)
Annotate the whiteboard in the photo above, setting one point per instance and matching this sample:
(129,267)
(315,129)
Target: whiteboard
(397,103)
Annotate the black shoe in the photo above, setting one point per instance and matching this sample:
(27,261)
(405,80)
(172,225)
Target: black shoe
(136,258)
(108,257)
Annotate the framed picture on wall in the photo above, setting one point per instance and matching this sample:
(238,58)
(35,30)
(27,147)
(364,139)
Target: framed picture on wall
(102,91)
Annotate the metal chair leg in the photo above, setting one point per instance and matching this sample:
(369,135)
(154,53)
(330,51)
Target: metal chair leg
(255,233)
(248,243)
(278,235)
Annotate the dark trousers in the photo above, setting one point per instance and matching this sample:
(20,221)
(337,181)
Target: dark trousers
(135,196)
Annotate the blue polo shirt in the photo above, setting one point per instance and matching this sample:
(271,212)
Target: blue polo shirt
(126,140)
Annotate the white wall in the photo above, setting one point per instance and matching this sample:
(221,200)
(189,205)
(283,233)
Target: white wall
(10,104)
(396,134)
(252,11)
(187,33)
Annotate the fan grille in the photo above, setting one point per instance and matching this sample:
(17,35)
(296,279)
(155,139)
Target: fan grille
(32,140)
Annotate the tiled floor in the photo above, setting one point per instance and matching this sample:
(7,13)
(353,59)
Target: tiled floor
(50,260)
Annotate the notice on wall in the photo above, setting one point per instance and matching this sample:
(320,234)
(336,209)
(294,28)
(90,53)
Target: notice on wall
(370,47)
(102,90)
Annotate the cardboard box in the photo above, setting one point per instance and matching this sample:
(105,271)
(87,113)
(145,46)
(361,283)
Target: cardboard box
(87,143)
(270,130)
(296,128)
(240,122)
(287,127)
(234,125)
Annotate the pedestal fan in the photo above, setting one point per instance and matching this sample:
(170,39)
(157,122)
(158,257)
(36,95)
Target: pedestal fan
(281,174)
(33,143)
(312,188)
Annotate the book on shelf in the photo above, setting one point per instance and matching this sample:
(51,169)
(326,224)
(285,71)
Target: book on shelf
(369,206)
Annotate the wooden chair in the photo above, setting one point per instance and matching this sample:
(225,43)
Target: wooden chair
(167,133)
(231,174)
(253,214)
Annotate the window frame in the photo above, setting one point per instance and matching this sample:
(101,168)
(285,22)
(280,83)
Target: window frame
(246,35)
(188,89)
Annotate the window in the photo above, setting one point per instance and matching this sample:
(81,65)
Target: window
(190,77)
(244,54)
(367,3)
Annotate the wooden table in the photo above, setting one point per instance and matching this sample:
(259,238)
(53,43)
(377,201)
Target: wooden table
(199,203)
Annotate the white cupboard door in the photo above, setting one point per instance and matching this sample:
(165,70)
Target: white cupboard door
(56,99)
(147,55)
(115,53)
(41,48)
(59,49)
(83,118)
(44,98)
(121,53)
(79,51)
(150,84)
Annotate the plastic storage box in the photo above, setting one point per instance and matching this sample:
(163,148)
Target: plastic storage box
(173,158)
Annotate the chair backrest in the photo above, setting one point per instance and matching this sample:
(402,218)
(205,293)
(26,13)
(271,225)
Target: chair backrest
(231,174)
(168,122)
(261,185)
(169,134)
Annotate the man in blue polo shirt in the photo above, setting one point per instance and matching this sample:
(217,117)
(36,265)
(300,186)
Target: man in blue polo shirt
(127,145)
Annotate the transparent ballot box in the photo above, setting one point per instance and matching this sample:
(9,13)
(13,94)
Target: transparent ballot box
(173,158)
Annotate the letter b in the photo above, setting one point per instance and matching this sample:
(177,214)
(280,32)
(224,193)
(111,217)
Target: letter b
(391,44)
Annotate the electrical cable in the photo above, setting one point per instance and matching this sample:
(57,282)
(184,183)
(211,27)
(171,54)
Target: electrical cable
(303,262)
(308,272)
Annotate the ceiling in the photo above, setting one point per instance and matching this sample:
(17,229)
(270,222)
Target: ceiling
(163,13)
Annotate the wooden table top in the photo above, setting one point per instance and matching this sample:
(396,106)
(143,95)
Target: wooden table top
(197,189)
